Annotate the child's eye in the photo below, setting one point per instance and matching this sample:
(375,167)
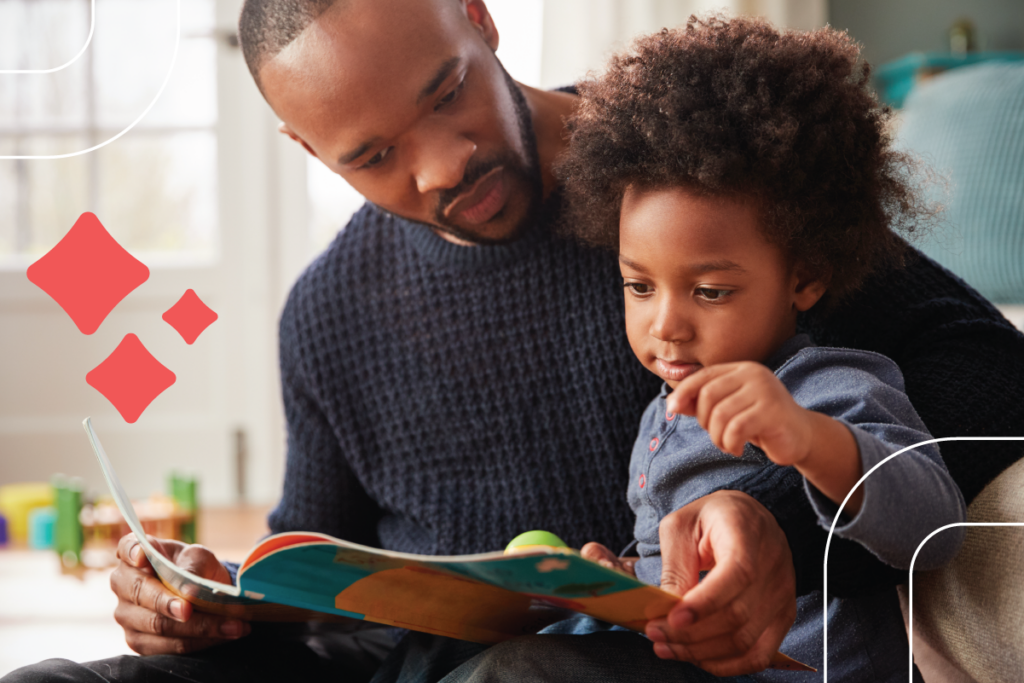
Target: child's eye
(637,288)
(377,158)
(451,96)
(709,294)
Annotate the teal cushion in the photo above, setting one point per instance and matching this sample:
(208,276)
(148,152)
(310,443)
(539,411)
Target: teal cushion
(968,124)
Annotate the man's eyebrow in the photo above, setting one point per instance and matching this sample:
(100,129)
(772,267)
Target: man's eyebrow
(359,151)
(446,69)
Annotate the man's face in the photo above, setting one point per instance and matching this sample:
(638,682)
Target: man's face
(406,101)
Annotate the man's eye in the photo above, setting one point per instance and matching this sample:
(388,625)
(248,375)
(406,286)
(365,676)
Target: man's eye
(637,288)
(451,96)
(377,158)
(709,294)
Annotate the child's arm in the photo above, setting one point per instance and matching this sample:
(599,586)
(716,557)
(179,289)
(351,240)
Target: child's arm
(745,402)
(910,496)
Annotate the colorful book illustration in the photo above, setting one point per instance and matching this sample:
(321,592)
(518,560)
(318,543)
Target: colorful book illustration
(485,598)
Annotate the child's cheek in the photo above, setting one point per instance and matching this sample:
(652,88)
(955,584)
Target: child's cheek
(637,332)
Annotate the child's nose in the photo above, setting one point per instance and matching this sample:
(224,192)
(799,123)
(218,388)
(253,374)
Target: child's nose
(671,323)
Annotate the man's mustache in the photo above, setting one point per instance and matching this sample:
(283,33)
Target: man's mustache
(475,170)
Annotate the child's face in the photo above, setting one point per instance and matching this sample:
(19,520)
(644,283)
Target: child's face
(703,286)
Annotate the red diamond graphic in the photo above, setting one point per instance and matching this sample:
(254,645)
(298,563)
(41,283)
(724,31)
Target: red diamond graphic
(88,273)
(190,316)
(130,378)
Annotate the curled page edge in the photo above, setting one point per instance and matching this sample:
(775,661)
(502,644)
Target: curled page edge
(181,581)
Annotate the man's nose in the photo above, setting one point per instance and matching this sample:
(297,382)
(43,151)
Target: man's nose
(442,163)
(671,324)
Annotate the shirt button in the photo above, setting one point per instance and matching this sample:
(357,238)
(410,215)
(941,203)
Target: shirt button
(654,444)
(670,416)
(643,480)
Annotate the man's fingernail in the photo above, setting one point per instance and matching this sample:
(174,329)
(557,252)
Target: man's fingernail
(231,629)
(135,552)
(176,609)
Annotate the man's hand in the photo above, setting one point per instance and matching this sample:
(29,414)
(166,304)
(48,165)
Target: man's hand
(733,621)
(596,552)
(156,621)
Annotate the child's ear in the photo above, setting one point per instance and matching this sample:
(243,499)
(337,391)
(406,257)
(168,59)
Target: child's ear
(807,288)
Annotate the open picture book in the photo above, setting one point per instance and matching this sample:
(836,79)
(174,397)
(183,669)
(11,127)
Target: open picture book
(484,598)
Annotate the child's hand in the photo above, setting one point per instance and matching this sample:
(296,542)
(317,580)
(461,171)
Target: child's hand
(595,552)
(740,402)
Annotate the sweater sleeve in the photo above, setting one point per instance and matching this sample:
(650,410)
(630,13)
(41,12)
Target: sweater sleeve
(961,361)
(909,495)
(321,492)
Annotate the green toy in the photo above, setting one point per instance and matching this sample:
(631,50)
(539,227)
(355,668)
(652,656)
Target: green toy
(534,539)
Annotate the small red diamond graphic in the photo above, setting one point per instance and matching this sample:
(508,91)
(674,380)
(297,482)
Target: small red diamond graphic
(88,273)
(130,378)
(190,316)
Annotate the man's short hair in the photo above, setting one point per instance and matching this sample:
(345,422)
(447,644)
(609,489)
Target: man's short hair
(266,27)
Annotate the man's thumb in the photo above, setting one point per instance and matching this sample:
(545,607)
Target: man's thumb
(680,559)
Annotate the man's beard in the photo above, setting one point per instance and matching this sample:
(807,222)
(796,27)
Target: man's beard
(528,175)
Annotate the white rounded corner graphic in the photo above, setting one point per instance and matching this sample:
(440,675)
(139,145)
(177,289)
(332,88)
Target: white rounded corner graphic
(88,41)
(167,77)
(828,542)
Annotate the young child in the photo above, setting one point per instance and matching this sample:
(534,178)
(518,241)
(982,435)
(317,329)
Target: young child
(743,174)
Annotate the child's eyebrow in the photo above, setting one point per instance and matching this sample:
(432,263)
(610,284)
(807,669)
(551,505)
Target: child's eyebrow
(713,266)
(635,266)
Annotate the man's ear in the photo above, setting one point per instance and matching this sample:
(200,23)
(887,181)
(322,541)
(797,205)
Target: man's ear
(283,128)
(807,289)
(476,12)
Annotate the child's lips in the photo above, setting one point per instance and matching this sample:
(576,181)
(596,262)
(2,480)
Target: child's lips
(676,371)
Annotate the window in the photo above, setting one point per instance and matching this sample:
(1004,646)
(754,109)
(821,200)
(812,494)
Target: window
(155,188)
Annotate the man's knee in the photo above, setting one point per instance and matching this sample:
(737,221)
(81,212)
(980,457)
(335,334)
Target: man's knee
(53,671)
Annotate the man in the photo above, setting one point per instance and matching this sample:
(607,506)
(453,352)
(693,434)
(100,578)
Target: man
(455,374)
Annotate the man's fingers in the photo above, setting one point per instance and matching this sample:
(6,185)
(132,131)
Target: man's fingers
(130,552)
(142,589)
(680,566)
(200,625)
(202,562)
(757,658)
(733,574)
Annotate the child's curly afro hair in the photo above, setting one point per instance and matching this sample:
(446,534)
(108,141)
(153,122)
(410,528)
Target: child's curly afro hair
(738,108)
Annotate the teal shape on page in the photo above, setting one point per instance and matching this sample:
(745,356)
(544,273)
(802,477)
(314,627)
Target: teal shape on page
(304,576)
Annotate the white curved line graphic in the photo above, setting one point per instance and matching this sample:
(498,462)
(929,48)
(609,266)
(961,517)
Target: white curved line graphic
(828,542)
(170,70)
(911,598)
(92,28)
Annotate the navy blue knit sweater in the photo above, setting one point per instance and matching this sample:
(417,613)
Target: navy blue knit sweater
(443,399)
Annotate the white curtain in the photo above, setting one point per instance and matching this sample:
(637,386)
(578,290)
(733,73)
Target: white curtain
(580,35)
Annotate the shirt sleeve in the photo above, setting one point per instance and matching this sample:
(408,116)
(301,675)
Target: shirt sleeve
(909,495)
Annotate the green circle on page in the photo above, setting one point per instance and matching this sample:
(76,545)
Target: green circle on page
(536,537)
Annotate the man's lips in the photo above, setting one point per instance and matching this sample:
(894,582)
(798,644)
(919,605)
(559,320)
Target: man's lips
(479,203)
(675,371)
